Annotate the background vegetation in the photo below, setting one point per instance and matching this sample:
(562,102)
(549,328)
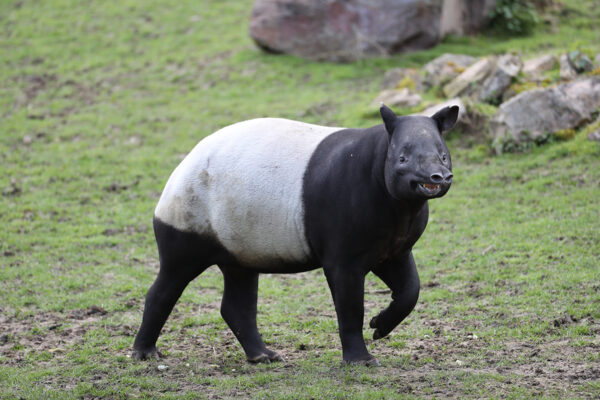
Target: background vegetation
(99,101)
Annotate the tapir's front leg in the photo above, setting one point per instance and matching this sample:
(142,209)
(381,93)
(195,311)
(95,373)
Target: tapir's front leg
(347,290)
(402,278)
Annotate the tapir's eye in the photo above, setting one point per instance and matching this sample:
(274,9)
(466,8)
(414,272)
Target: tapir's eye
(402,159)
(444,157)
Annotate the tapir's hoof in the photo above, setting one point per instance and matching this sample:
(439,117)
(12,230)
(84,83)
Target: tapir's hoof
(268,358)
(148,354)
(370,362)
(377,333)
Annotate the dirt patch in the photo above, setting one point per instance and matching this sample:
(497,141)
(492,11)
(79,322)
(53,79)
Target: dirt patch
(82,93)
(35,84)
(45,332)
(555,365)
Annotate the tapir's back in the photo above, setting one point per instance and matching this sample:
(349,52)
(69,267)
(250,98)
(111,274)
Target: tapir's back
(242,185)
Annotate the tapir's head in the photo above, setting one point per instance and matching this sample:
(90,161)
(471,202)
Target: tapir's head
(418,162)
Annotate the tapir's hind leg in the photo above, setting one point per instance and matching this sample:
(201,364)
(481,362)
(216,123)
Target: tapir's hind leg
(183,256)
(238,309)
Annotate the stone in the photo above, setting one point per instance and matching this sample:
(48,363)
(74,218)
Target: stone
(594,136)
(567,72)
(492,89)
(471,122)
(429,111)
(535,113)
(399,78)
(597,60)
(397,98)
(345,30)
(445,68)
(469,79)
(536,67)
(580,61)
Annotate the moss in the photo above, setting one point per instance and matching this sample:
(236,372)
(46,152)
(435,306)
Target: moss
(521,87)
(456,68)
(406,83)
(565,134)
(595,72)
(594,126)
(483,108)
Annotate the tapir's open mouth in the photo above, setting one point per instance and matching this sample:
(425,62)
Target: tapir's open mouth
(430,189)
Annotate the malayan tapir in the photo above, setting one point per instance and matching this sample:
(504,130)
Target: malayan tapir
(272,195)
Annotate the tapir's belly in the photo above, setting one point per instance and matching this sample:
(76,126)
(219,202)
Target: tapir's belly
(243,186)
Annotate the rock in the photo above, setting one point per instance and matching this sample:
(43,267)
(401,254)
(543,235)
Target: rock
(567,72)
(445,68)
(397,98)
(492,89)
(399,78)
(343,30)
(535,113)
(429,111)
(537,66)
(461,17)
(597,60)
(580,62)
(468,80)
(594,136)
(470,121)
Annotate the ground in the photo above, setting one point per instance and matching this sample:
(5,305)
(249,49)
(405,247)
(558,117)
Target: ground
(99,101)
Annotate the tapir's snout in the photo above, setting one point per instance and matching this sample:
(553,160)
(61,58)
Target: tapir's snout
(442,176)
(435,183)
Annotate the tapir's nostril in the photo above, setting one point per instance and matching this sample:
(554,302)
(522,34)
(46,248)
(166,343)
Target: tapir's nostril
(448,177)
(437,178)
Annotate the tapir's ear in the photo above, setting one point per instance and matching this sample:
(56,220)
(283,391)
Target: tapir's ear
(446,118)
(389,118)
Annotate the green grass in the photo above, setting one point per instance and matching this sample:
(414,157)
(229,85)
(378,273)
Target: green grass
(99,101)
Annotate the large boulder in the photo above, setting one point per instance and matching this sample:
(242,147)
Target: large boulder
(343,30)
(535,113)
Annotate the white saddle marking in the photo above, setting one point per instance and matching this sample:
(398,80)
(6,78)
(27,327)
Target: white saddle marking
(243,186)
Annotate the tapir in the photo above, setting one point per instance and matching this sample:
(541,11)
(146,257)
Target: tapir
(272,195)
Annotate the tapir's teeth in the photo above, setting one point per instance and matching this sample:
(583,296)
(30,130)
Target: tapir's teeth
(430,186)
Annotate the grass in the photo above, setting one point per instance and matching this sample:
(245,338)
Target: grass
(99,101)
